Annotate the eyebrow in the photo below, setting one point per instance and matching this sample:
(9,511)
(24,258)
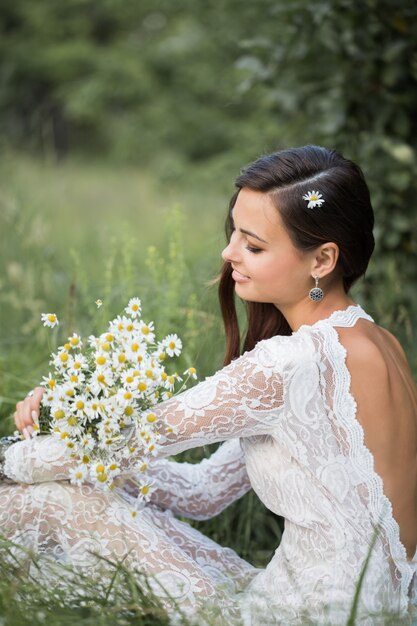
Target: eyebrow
(248,232)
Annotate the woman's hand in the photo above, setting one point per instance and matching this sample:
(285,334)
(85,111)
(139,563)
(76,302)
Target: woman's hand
(27,412)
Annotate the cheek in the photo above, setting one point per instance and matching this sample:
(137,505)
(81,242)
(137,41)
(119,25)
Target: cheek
(283,267)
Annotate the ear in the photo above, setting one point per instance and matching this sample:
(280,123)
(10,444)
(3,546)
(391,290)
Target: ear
(325,259)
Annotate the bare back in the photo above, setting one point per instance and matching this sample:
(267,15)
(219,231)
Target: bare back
(386,397)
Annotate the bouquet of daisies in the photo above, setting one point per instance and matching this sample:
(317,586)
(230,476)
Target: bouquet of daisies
(103,390)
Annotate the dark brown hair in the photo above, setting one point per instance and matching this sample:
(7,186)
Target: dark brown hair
(345,218)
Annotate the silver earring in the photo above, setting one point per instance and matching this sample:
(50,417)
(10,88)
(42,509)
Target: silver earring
(316,294)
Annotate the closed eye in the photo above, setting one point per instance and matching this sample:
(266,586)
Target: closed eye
(253,249)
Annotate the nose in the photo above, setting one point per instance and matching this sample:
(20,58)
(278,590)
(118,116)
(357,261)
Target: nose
(231,253)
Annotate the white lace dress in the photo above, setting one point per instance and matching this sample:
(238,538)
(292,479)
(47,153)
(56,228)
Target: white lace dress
(288,420)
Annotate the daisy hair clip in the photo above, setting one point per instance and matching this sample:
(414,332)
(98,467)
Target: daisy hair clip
(314,198)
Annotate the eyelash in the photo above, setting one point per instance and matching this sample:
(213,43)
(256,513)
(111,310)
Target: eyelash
(251,249)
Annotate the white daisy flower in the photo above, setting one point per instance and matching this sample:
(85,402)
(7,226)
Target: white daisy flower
(80,405)
(113,468)
(173,345)
(145,491)
(314,198)
(87,442)
(93,341)
(192,372)
(94,408)
(134,307)
(78,474)
(49,319)
(76,363)
(61,359)
(129,378)
(147,331)
(101,380)
(75,341)
(49,382)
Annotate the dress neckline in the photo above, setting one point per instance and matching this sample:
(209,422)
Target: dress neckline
(342,318)
(346,408)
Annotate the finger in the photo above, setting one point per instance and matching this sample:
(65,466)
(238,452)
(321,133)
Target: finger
(25,413)
(17,416)
(35,403)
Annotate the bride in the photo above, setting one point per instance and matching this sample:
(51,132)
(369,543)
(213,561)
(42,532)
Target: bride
(318,416)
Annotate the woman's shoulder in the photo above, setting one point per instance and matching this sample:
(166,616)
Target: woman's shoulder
(285,351)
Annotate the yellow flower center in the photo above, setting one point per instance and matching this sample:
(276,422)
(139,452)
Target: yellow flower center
(109,337)
(171,345)
(63,357)
(145,330)
(128,411)
(74,341)
(135,347)
(142,386)
(122,357)
(102,477)
(79,405)
(100,468)
(59,414)
(101,360)
(144,490)
(51,318)
(151,418)
(72,421)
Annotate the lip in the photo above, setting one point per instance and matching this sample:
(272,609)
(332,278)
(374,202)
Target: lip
(238,277)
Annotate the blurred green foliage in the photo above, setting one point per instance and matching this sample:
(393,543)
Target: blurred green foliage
(176,82)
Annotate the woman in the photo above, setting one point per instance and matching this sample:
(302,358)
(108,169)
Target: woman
(319,416)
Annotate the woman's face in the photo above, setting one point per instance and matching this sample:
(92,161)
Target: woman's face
(267,267)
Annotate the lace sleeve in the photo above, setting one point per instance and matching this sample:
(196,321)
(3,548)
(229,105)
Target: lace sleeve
(199,490)
(243,399)
(37,460)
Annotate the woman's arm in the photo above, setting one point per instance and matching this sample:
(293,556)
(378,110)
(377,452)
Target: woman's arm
(199,490)
(244,399)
